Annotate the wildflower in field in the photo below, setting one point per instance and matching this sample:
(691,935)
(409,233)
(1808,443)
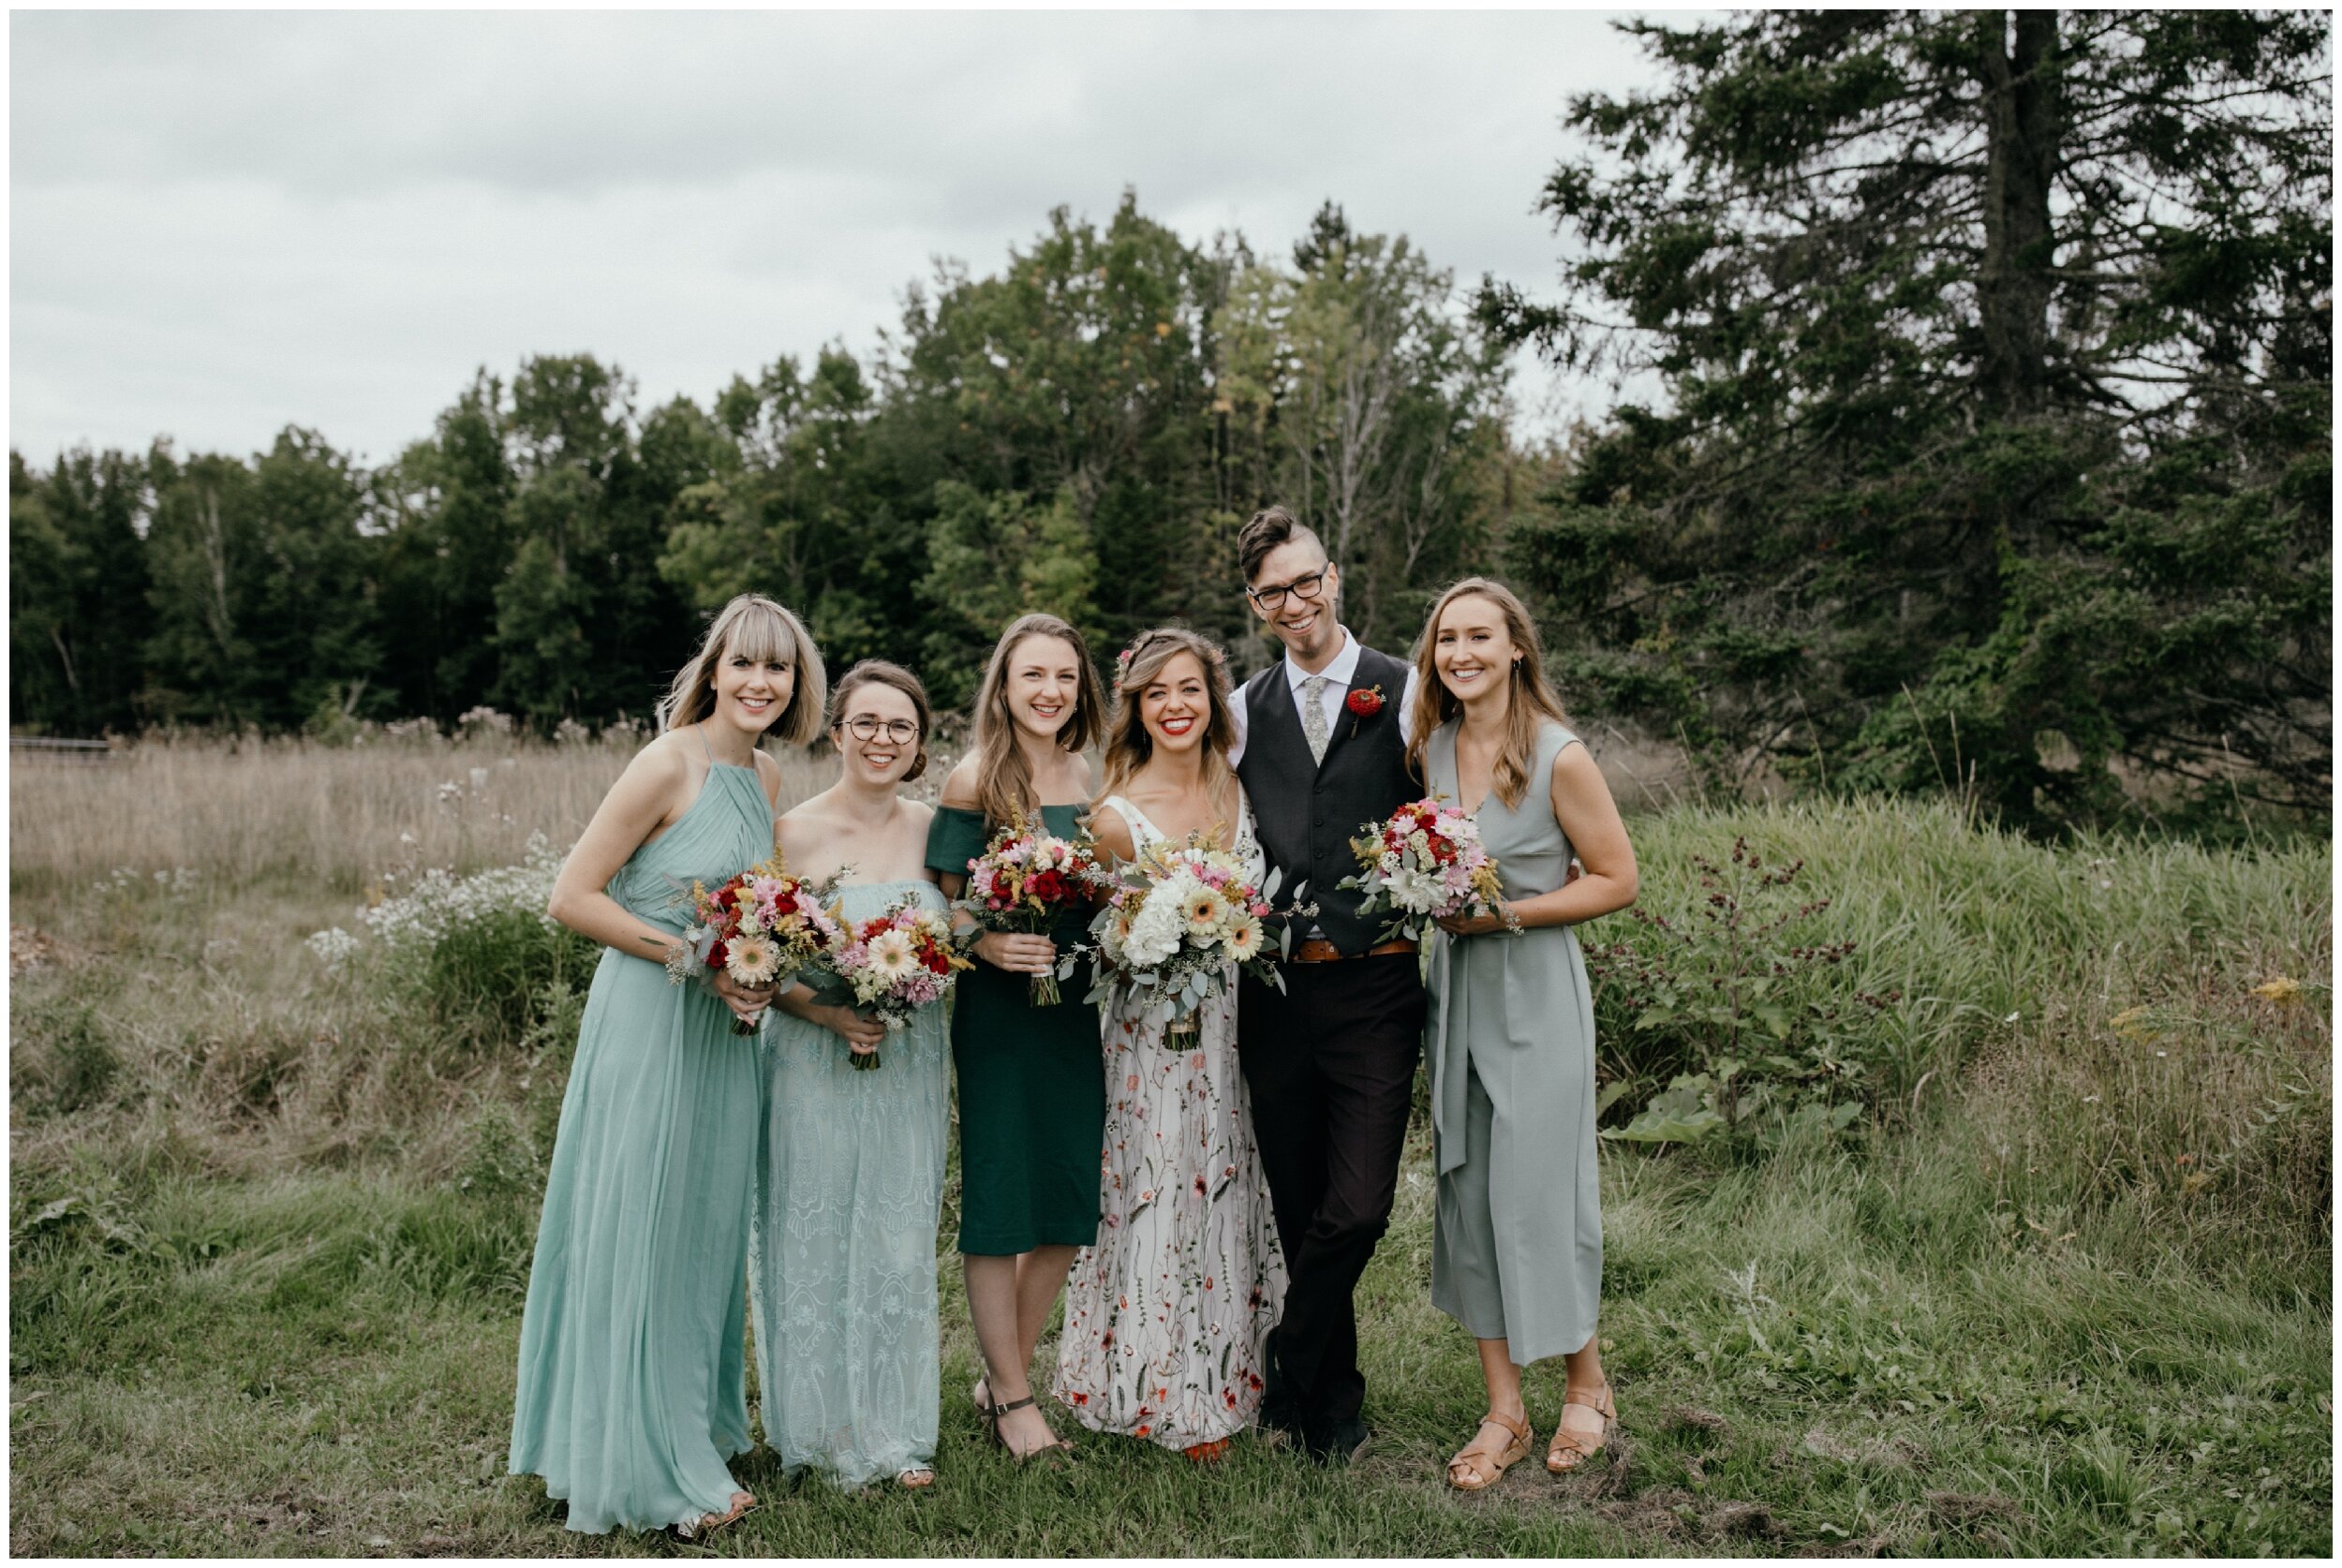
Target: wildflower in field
(2281,990)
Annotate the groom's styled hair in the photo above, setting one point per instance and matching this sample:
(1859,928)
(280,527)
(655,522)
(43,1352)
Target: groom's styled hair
(1271,527)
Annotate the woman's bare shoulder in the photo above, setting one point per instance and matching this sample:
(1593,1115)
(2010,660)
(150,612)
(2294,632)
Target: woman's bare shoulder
(959,785)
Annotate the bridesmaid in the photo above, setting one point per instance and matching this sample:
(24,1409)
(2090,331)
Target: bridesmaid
(1167,1317)
(851,1179)
(1032,1097)
(1517,1244)
(631,1391)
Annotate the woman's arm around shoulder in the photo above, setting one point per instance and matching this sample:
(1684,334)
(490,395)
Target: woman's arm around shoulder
(1113,834)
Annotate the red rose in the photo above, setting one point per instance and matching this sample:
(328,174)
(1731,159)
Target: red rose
(718,956)
(1367,703)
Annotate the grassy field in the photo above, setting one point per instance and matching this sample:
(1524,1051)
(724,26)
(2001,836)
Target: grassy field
(2064,1288)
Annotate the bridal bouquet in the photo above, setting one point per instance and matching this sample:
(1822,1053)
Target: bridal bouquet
(1024,880)
(758,927)
(892,965)
(1424,865)
(1179,916)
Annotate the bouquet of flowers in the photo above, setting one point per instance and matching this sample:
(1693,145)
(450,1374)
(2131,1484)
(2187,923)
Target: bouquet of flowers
(758,927)
(892,965)
(1424,865)
(1024,880)
(1177,917)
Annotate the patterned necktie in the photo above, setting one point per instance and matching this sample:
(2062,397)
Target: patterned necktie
(1313,716)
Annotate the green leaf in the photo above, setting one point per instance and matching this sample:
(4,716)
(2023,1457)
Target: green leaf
(1667,1127)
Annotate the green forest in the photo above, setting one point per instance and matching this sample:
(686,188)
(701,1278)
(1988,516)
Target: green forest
(1969,427)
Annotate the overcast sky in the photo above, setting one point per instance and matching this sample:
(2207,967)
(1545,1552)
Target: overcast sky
(225,223)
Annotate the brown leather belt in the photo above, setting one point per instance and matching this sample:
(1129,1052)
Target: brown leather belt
(1317,950)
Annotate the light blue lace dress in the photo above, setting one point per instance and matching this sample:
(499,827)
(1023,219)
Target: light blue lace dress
(849,1184)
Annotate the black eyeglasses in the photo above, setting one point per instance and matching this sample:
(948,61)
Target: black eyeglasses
(1307,585)
(865,727)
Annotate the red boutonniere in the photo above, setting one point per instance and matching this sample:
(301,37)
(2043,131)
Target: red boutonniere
(1366,704)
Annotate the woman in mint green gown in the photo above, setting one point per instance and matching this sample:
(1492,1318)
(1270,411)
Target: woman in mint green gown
(849,1180)
(631,1380)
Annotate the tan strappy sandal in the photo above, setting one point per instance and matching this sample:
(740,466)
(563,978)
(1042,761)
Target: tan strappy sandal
(1570,1450)
(1476,1470)
(707,1524)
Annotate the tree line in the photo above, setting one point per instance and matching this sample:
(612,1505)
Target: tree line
(1081,432)
(1991,446)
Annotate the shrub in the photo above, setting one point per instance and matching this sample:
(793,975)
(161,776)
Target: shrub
(1740,1017)
(479,951)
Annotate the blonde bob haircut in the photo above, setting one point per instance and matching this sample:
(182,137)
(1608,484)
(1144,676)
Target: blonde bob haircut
(1129,746)
(1532,698)
(755,626)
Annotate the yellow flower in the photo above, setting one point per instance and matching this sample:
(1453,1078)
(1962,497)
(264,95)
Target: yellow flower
(2280,990)
(2131,1023)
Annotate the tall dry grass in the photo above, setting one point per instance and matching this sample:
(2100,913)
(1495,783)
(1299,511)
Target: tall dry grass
(248,812)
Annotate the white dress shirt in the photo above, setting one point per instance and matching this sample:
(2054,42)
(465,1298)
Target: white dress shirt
(1338,673)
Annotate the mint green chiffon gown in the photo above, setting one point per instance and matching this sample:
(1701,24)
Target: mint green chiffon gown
(849,1187)
(632,1366)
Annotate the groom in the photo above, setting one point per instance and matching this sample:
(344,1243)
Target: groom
(1320,748)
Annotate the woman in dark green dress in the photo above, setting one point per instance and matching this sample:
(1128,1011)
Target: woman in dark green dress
(1032,1087)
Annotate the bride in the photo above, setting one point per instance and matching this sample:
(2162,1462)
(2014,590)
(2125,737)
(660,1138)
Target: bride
(1167,1316)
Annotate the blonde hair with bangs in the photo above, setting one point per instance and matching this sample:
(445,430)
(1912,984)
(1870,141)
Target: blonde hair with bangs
(760,629)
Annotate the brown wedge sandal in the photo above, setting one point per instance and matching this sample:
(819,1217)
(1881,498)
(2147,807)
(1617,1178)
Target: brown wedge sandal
(1571,1450)
(1476,1470)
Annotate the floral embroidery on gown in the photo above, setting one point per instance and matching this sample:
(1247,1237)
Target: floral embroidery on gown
(1167,1316)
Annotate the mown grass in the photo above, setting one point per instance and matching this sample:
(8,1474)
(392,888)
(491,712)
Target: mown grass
(2065,1290)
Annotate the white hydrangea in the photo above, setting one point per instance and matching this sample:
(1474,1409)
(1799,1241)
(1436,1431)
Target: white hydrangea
(1155,934)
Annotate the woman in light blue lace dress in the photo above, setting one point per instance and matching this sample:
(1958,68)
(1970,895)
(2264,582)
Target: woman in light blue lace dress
(850,1178)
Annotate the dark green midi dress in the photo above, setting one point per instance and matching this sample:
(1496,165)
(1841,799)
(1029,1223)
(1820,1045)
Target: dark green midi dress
(1033,1101)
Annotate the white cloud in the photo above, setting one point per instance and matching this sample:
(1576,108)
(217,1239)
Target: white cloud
(223,223)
